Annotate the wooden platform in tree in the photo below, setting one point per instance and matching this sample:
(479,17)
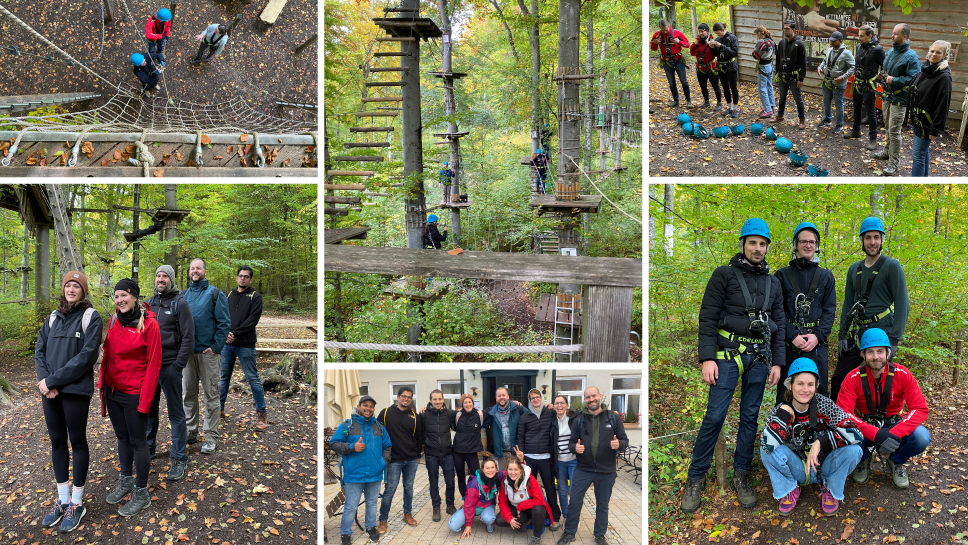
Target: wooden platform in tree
(546,204)
(601,271)
(433,292)
(456,205)
(336,236)
(421,27)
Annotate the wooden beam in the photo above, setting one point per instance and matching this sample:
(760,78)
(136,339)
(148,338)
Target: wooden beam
(336,236)
(350,173)
(395,39)
(336,211)
(601,271)
(350,158)
(371,129)
(391,54)
(391,69)
(376,114)
(342,200)
(607,314)
(350,145)
(345,187)
(382,99)
(386,83)
(294,341)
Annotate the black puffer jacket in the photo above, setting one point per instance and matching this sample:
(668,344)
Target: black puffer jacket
(65,354)
(791,56)
(600,457)
(534,434)
(728,52)
(821,318)
(723,307)
(868,59)
(436,430)
(177,339)
(930,98)
(468,437)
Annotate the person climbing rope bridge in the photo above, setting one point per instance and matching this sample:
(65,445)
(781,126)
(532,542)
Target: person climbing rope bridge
(146,72)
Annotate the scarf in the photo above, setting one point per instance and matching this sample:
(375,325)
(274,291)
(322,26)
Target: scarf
(130,318)
(489,482)
(930,69)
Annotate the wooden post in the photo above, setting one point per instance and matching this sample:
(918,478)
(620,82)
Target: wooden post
(305,44)
(719,456)
(108,11)
(415,205)
(171,226)
(606,322)
(450,108)
(238,17)
(42,265)
(136,225)
(957,367)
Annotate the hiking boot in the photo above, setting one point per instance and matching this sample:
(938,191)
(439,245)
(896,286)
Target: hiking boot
(889,170)
(871,143)
(828,503)
(803,124)
(72,517)
(789,502)
(408,518)
(55,515)
(345,539)
(261,421)
(741,484)
(139,502)
(693,495)
(208,447)
(437,515)
(566,538)
(689,104)
(863,470)
(535,540)
(778,119)
(675,103)
(125,486)
(718,108)
(381,528)
(705,104)
(222,414)
(882,155)
(374,536)
(153,453)
(601,540)
(192,438)
(177,470)
(451,509)
(766,115)
(853,133)
(898,473)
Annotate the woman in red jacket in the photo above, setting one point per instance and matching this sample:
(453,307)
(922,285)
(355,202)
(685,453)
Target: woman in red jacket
(706,67)
(521,501)
(157,31)
(127,382)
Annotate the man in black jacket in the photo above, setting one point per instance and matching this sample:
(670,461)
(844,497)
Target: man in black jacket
(741,330)
(406,441)
(809,304)
(245,310)
(438,420)
(597,436)
(177,340)
(791,68)
(869,59)
(534,447)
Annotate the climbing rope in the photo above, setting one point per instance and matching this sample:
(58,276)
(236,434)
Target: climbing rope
(604,196)
(143,157)
(567,348)
(13,149)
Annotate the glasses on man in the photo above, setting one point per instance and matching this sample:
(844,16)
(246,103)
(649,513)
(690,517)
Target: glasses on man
(405,397)
(245,276)
(808,242)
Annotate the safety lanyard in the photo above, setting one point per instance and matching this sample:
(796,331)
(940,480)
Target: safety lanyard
(701,64)
(808,297)
(878,405)
(750,309)
(833,61)
(870,282)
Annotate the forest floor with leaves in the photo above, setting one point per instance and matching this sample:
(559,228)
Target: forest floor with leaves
(672,154)
(933,510)
(258,487)
(256,63)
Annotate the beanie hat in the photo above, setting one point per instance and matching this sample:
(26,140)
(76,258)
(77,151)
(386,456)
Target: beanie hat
(76,276)
(462,399)
(703,26)
(128,285)
(170,272)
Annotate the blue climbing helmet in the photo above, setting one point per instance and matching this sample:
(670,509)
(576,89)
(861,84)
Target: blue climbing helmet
(137,59)
(755,226)
(446,163)
(539,151)
(872,224)
(163,15)
(801,365)
(874,337)
(783,145)
(683,118)
(432,219)
(806,225)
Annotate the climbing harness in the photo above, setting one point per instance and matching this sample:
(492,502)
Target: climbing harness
(706,67)
(877,405)
(859,321)
(757,346)
(803,301)
(667,56)
(830,65)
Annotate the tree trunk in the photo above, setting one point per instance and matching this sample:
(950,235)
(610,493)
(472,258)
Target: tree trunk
(537,120)
(937,211)
(135,226)
(652,218)
(602,109)
(104,279)
(450,107)
(24,263)
(171,226)
(695,18)
(589,90)
(719,455)
(669,229)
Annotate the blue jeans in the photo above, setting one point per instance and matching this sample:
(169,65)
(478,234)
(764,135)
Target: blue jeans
(158,47)
(921,153)
(394,469)
(670,72)
(764,83)
(353,491)
(911,445)
(797,97)
(786,469)
(580,482)
(837,94)
(720,396)
(865,101)
(169,382)
(458,520)
(566,471)
(247,361)
(434,465)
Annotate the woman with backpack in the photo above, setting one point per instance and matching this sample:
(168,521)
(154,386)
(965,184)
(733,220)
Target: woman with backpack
(480,500)
(521,501)
(764,52)
(67,350)
(467,441)
(127,382)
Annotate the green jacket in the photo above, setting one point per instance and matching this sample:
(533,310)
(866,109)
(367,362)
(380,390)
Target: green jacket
(889,288)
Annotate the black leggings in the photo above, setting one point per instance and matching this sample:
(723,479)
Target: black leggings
(730,88)
(473,464)
(66,417)
(714,80)
(536,515)
(131,428)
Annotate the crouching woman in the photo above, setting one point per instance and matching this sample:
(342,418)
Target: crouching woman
(480,500)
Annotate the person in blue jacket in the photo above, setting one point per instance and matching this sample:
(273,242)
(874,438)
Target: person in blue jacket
(146,68)
(503,418)
(364,445)
(67,349)
(901,66)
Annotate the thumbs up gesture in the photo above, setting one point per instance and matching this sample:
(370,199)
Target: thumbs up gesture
(614,443)
(580,448)
(518,453)
(359,446)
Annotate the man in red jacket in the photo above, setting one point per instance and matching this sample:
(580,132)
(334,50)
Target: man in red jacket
(157,31)
(669,43)
(877,391)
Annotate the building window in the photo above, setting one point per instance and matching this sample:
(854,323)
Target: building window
(364,389)
(627,396)
(395,387)
(451,390)
(572,388)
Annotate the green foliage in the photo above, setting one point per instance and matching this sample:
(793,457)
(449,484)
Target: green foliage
(907,6)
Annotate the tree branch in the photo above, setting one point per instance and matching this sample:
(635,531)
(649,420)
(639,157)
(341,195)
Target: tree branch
(510,36)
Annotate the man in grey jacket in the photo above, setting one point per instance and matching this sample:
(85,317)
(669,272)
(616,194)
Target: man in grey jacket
(837,66)
(213,39)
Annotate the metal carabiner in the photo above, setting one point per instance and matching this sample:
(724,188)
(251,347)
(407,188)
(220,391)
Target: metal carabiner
(11,152)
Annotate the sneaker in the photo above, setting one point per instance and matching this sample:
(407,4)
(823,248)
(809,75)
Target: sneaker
(735,112)
(802,125)
(766,114)
(157,87)
(153,453)
(567,538)
(837,129)
(823,123)
(689,104)
(853,133)
(436,515)
(882,155)
(898,473)
(345,539)
(718,108)
(693,495)
(192,438)
(72,517)
(601,540)
(125,486)
(828,503)
(535,540)
(889,170)
(139,502)
(222,414)
(741,484)
(675,103)
(374,536)
(177,470)
(705,104)
(789,502)
(863,471)
(208,447)
(261,421)
(554,527)
(871,143)
(451,509)
(55,515)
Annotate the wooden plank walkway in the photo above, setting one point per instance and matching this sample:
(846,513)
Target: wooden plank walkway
(336,236)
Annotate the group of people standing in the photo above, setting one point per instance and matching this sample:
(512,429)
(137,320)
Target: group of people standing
(568,450)
(167,343)
(755,328)
(907,87)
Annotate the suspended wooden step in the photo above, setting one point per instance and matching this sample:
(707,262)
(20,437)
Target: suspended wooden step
(444,143)
(345,187)
(400,10)
(391,54)
(384,108)
(350,173)
(336,236)
(370,158)
(400,83)
(371,129)
(391,69)
(331,211)
(349,145)
(455,75)
(450,134)
(342,200)
(382,99)
(376,114)
(396,39)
